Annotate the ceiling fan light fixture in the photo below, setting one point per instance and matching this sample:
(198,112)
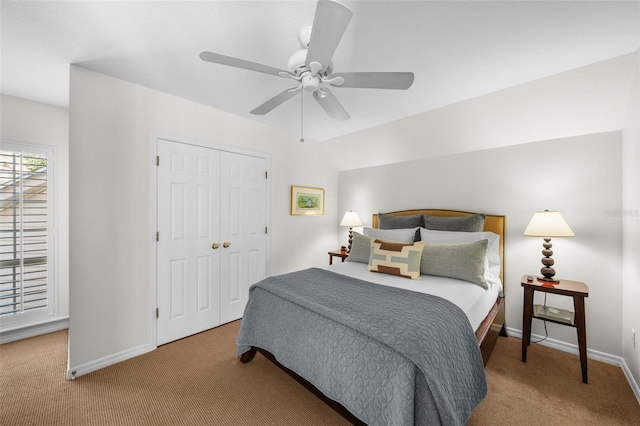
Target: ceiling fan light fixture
(310,83)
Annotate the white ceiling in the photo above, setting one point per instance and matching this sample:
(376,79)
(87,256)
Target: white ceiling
(456,49)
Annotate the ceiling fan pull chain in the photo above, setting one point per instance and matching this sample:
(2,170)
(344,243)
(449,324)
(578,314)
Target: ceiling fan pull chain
(302,116)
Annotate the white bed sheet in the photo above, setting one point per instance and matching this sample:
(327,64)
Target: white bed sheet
(475,301)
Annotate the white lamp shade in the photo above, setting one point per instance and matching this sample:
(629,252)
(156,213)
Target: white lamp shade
(351,219)
(548,224)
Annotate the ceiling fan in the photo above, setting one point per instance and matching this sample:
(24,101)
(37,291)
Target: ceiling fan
(312,66)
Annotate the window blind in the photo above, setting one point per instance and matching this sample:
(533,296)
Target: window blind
(24,233)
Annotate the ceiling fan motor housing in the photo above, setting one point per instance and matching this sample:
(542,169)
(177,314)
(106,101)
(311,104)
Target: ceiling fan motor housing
(297,66)
(297,62)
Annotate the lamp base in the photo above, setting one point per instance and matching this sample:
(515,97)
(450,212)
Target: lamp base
(350,239)
(547,270)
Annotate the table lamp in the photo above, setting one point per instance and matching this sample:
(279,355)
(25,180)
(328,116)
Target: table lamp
(350,219)
(548,224)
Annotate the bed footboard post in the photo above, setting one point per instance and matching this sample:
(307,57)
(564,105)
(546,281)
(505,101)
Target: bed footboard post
(503,331)
(248,355)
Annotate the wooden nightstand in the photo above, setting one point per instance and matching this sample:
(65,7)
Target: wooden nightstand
(337,253)
(575,289)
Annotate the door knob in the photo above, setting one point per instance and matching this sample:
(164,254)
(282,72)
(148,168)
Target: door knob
(226,244)
(215,246)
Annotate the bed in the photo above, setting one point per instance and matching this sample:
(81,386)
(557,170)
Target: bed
(367,346)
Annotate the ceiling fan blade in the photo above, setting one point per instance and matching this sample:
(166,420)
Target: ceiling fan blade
(217,58)
(329,24)
(276,100)
(375,80)
(330,104)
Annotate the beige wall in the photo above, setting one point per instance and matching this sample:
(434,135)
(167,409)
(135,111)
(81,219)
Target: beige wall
(631,230)
(36,123)
(110,125)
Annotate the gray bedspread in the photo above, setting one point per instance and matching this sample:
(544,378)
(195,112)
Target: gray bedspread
(390,356)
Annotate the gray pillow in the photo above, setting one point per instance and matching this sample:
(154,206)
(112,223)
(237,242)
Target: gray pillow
(401,235)
(360,249)
(464,261)
(473,223)
(387,221)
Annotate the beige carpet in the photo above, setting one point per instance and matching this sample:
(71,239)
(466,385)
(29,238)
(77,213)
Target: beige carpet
(548,390)
(199,381)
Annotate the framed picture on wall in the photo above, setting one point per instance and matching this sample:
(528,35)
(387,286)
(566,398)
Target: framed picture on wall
(307,201)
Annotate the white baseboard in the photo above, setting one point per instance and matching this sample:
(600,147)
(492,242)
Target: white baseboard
(631,379)
(34,330)
(593,354)
(77,371)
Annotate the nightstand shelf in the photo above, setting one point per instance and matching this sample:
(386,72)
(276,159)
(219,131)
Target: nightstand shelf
(559,316)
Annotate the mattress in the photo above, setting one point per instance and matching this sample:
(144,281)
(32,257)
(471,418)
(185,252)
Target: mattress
(475,301)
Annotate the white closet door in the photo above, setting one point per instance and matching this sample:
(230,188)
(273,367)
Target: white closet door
(243,228)
(188,268)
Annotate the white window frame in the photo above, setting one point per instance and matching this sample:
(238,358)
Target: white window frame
(37,316)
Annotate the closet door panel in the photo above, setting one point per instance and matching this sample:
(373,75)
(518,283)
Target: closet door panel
(188,269)
(243,227)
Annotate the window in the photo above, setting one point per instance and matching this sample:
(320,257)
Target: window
(26,234)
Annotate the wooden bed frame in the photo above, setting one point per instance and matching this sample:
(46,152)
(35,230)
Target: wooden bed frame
(487,333)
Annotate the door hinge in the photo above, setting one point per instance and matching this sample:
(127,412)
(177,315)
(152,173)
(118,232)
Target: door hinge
(157,312)
(266,230)
(157,160)
(158,236)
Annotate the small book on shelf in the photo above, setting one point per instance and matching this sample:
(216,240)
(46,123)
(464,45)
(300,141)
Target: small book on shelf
(555,314)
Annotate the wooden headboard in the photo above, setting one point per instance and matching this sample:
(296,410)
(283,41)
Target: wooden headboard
(493,223)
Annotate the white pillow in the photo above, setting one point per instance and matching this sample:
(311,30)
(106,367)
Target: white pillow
(492,257)
(406,235)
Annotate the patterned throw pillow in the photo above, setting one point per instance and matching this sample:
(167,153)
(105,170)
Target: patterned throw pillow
(402,259)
